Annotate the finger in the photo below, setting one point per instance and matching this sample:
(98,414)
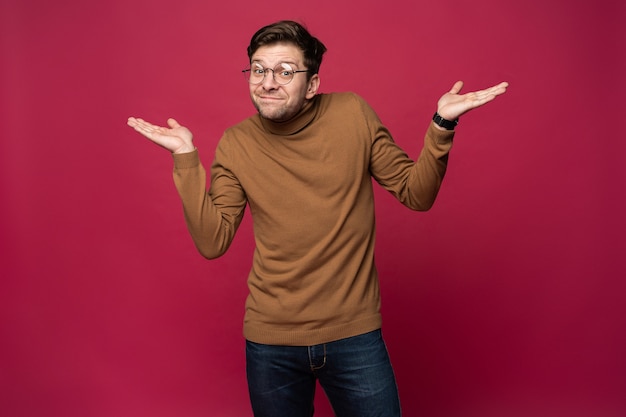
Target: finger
(132,122)
(143,127)
(483,97)
(497,89)
(456,88)
(491,93)
(501,88)
(140,123)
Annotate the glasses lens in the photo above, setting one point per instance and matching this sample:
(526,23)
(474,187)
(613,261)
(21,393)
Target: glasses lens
(255,74)
(283,73)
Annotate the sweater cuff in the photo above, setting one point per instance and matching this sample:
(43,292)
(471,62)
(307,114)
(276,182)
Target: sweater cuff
(186,160)
(440,137)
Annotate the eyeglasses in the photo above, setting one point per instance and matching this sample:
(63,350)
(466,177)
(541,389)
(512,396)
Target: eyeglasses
(282,73)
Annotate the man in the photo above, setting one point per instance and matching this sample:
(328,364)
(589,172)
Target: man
(304,165)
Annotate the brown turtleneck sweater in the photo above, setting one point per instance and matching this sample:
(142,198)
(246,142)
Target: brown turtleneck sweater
(308,185)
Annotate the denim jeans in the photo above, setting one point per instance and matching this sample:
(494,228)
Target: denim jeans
(355,373)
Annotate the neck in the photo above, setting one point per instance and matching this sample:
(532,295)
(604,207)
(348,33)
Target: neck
(296,123)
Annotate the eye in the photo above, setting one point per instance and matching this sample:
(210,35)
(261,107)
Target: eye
(257,68)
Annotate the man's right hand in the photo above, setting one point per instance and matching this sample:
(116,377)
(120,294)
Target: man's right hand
(176,138)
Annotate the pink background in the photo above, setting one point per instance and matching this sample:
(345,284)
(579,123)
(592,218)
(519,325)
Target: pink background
(506,299)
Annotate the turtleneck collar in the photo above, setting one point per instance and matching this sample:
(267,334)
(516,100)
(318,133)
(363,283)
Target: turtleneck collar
(295,124)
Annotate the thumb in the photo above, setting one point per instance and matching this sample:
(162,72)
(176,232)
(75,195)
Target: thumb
(456,88)
(172,123)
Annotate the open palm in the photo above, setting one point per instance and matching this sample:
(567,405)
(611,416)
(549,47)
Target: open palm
(175,138)
(452,104)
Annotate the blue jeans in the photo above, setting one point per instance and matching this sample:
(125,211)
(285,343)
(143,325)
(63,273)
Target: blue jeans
(355,373)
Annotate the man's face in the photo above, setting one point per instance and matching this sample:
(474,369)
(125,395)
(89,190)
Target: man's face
(278,102)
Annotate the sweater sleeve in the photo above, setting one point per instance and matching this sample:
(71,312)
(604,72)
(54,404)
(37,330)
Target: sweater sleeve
(212,216)
(414,183)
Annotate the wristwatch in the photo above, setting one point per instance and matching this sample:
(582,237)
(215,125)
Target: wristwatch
(446,124)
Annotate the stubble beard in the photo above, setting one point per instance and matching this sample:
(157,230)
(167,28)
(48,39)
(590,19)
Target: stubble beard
(280,113)
(274,115)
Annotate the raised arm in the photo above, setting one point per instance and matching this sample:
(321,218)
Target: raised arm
(416,184)
(212,217)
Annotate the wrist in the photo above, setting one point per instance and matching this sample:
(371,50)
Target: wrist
(444,124)
(185,149)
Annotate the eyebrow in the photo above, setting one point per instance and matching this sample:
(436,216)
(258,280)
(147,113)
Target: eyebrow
(258,61)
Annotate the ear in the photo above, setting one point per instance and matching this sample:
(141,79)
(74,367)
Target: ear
(314,85)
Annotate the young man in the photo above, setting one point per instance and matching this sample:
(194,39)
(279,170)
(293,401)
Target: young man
(304,165)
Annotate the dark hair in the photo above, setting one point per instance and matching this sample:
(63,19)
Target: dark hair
(290,32)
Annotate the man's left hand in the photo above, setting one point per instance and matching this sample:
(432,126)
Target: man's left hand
(452,104)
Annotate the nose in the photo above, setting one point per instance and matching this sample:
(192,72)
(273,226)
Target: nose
(269,83)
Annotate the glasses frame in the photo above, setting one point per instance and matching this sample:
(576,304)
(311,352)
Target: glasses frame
(294,72)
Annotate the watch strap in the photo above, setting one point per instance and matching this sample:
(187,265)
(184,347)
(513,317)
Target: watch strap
(446,124)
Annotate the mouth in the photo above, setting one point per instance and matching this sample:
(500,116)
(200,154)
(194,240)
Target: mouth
(269,102)
(270,98)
